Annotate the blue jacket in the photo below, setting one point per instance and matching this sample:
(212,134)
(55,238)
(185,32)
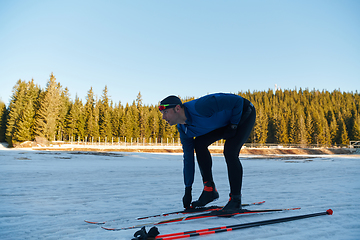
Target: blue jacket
(204,115)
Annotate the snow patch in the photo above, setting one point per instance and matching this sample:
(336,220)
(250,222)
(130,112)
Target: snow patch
(48,195)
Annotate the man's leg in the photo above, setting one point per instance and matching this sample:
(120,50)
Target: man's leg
(203,155)
(232,149)
(204,160)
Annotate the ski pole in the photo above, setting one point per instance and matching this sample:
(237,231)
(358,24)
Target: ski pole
(214,230)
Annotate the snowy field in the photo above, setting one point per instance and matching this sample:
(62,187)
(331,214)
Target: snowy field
(48,195)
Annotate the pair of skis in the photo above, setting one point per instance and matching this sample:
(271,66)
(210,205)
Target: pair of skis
(204,212)
(210,212)
(187,211)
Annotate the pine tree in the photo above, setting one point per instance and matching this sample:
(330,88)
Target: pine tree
(91,124)
(23,131)
(309,128)
(122,123)
(261,127)
(74,121)
(116,120)
(302,134)
(32,94)
(80,124)
(105,116)
(282,135)
(153,123)
(343,133)
(356,128)
(293,129)
(48,114)
(135,120)
(64,108)
(96,129)
(3,117)
(142,116)
(16,106)
(127,126)
(334,128)
(274,115)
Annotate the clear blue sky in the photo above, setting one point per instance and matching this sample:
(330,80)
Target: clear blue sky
(187,48)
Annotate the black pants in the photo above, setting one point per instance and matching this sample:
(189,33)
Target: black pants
(232,149)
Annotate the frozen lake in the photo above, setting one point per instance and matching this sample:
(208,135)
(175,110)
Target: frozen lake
(48,195)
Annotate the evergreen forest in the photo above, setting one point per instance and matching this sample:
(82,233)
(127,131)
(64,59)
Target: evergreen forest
(304,117)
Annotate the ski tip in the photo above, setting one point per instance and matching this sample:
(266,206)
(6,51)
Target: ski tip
(99,223)
(110,229)
(329,211)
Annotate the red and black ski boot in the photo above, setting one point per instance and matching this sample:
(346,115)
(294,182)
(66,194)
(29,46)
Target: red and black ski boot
(209,194)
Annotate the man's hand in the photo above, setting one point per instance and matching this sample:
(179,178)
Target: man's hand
(187,197)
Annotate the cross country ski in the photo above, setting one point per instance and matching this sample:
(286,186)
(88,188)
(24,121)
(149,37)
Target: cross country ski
(187,211)
(201,216)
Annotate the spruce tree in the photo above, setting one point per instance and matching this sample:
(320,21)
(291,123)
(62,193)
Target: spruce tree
(23,130)
(153,123)
(343,133)
(75,123)
(116,120)
(64,108)
(334,128)
(32,94)
(105,116)
(309,128)
(273,115)
(292,129)
(47,116)
(3,117)
(356,128)
(141,115)
(282,135)
(80,124)
(135,120)
(260,128)
(127,126)
(96,129)
(16,106)
(91,116)
(302,134)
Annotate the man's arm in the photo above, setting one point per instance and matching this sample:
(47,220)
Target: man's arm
(189,161)
(189,167)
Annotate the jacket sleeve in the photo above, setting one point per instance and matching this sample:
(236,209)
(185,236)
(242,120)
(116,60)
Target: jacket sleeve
(211,104)
(189,161)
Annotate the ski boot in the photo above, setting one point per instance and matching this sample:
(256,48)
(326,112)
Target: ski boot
(209,194)
(233,206)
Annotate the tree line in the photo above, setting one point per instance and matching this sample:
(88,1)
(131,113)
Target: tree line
(283,117)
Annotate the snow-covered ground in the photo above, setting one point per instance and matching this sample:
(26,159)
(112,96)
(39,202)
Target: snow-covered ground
(48,195)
